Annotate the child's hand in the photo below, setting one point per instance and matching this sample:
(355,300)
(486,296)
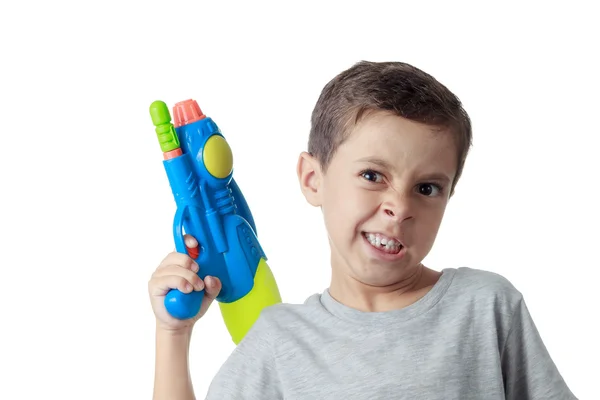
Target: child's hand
(178,271)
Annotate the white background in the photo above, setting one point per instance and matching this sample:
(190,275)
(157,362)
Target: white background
(86,209)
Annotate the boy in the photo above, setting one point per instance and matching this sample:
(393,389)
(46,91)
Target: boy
(386,149)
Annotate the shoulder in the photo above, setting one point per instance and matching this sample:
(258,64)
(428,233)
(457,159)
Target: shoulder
(277,321)
(280,319)
(486,288)
(251,369)
(281,328)
(485,282)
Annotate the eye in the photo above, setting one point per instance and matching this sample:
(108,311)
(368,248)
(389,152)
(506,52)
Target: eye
(429,189)
(371,176)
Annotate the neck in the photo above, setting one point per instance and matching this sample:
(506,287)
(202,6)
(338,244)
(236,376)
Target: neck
(412,286)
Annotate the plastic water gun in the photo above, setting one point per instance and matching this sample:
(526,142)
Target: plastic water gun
(211,208)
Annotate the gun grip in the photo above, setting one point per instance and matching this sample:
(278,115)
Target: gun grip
(178,304)
(183,305)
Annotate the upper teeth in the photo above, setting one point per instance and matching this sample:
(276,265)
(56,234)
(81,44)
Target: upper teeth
(380,240)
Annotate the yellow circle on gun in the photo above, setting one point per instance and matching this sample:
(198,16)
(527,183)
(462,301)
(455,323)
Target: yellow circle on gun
(217,156)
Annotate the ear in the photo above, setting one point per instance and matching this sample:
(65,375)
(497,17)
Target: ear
(310,178)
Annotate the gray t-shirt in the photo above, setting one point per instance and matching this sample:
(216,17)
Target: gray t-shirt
(470,337)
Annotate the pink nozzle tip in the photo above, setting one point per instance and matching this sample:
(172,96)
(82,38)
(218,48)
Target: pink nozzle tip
(185,112)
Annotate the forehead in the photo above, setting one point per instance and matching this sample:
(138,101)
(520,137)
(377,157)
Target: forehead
(401,142)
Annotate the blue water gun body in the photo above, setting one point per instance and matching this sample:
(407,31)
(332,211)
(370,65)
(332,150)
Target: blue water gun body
(211,207)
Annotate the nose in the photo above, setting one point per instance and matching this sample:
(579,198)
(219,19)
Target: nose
(397,207)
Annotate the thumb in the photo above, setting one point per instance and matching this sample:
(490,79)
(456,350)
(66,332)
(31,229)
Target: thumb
(212,287)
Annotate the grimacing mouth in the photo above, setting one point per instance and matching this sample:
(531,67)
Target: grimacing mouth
(383,242)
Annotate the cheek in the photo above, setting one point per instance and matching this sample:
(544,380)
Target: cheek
(365,200)
(358,205)
(345,212)
(430,222)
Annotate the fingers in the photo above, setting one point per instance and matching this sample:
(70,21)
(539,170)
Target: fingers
(183,273)
(191,245)
(161,285)
(190,242)
(179,271)
(180,259)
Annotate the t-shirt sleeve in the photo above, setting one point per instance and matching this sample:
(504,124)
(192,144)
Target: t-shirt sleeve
(250,371)
(529,371)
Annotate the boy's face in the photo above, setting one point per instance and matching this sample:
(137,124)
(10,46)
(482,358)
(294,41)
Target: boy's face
(391,179)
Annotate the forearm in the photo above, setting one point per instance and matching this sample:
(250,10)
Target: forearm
(171,374)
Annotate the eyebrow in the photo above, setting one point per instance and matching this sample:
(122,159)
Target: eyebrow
(377,161)
(435,176)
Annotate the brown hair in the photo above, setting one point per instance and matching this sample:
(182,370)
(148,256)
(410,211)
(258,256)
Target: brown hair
(392,86)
